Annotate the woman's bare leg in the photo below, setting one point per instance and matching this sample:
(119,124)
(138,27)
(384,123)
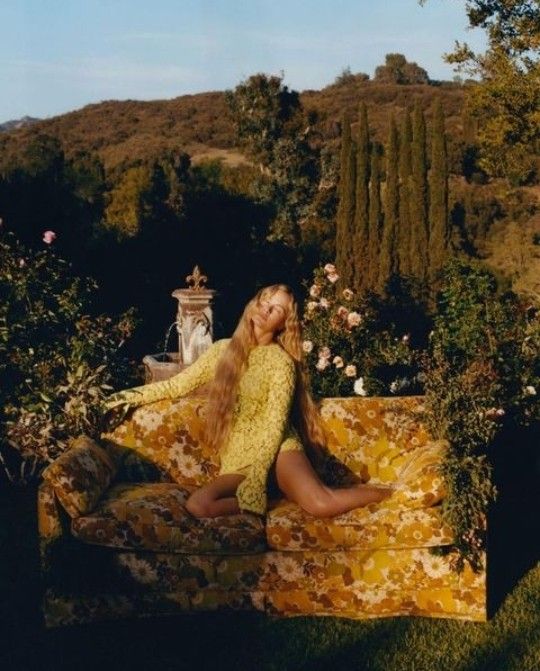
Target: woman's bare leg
(300,483)
(215,498)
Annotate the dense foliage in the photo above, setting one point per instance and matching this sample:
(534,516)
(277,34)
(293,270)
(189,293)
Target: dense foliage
(58,357)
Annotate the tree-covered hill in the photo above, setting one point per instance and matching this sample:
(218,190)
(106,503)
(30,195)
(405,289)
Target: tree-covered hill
(121,131)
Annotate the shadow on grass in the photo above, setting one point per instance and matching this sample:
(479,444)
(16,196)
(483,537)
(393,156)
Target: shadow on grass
(514,524)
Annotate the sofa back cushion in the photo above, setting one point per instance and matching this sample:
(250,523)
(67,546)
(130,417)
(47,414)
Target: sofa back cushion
(162,441)
(375,436)
(80,475)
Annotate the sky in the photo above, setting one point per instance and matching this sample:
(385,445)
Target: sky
(60,55)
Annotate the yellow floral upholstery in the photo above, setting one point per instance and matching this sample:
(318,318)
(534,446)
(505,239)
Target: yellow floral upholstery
(162,440)
(80,475)
(152,516)
(148,555)
(288,527)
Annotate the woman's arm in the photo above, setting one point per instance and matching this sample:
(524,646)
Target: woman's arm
(200,372)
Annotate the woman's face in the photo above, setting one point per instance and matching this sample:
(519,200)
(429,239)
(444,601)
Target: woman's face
(269,315)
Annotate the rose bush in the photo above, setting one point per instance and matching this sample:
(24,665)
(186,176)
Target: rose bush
(58,357)
(349,349)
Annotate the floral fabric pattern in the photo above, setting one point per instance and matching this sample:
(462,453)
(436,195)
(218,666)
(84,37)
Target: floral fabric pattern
(80,475)
(149,556)
(152,516)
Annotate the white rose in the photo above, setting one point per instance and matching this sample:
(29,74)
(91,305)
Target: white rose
(353,319)
(329,268)
(315,291)
(530,390)
(324,353)
(359,387)
(338,362)
(322,364)
(307,346)
(348,294)
(394,386)
(333,277)
(406,338)
(324,303)
(350,370)
(312,305)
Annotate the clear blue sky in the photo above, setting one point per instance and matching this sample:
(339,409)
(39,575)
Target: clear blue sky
(59,55)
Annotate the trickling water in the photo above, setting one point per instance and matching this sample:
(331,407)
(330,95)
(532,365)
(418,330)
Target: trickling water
(164,355)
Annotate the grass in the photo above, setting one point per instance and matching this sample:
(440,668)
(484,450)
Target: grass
(510,641)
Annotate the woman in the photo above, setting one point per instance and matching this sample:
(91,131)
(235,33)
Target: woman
(259,416)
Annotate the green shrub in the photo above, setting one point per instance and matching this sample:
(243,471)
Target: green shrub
(482,373)
(58,358)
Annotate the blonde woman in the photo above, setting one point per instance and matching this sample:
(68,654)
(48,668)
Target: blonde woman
(259,416)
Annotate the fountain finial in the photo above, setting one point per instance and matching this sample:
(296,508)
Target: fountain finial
(196,279)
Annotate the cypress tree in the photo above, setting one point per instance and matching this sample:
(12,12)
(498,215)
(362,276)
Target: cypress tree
(419,228)
(388,256)
(405,177)
(375,218)
(439,238)
(361,215)
(345,213)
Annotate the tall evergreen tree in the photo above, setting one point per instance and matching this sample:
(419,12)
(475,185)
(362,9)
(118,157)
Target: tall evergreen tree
(388,256)
(345,213)
(375,218)
(439,238)
(361,216)
(405,177)
(419,193)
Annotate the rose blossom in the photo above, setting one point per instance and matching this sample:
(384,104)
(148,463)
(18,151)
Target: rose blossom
(329,268)
(338,362)
(324,303)
(350,370)
(359,387)
(342,312)
(312,306)
(348,294)
(49,236)
(333,277)
(22,263)
(307,346)
(324,353)
(322,364)
(315,291)
(530,390)
(406,338)
(354,319)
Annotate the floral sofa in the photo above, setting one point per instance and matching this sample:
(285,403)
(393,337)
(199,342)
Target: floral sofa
(116,540)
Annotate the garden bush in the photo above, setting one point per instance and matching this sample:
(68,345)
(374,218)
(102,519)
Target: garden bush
(58,357)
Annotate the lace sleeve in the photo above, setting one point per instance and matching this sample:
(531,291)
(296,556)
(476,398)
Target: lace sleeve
(200,372)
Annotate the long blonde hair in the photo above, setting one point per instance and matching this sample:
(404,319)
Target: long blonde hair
(223,389)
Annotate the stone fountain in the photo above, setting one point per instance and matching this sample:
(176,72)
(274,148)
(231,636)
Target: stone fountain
(194,326)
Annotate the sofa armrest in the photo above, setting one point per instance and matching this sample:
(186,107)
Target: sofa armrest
(80,475)
(419,482)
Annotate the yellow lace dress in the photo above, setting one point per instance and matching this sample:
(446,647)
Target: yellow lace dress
(260,425)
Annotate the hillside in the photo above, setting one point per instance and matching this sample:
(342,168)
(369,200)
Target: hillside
(122,131)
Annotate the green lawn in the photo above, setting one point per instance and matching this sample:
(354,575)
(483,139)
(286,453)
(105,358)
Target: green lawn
(509,641)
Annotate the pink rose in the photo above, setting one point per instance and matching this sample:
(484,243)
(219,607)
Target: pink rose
(324,353)
(324,303)
(322,364)
(330,268)
(350,370)
(49,236)
(354,319)
(333,277)
(342,312)
(315,291)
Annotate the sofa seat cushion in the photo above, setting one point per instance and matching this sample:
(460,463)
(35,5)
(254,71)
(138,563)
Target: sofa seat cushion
(152,516)
(289,527)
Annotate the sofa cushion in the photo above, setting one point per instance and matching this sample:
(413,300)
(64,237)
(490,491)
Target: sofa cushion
(152,516)
(80,475)
(289,527)
(163,441)
(373,435)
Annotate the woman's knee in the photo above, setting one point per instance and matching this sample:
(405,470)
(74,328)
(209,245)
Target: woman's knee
(198,506)
(316,502)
